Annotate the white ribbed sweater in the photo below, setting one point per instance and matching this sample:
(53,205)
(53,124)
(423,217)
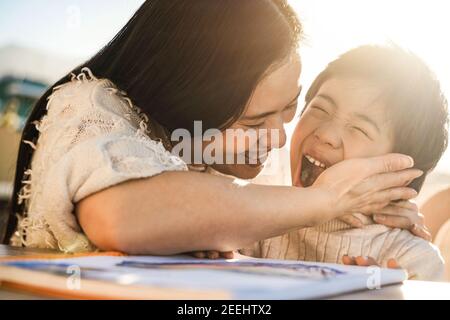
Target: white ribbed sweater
(331,241)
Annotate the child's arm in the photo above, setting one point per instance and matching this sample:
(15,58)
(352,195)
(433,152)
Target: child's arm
(421,259)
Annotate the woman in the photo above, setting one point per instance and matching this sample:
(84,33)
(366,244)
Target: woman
(95,171)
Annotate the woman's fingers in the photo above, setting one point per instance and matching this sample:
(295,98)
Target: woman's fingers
(227,255)
(377,201)
(409,207)
(367,185)
(213,255)
(199,254)
(385,188)
(390,180)
(389,163)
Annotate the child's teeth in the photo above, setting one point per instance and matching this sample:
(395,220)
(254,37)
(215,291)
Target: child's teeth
(315,162)
(310,159)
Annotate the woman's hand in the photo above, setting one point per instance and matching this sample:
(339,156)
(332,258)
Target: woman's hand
(213,255)
(368,185)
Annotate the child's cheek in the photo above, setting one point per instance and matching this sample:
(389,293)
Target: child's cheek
(357,148)
(308,123)
(296,142)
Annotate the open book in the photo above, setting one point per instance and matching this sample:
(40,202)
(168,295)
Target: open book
(184,277)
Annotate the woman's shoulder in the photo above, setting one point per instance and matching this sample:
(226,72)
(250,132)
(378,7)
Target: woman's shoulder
(87,108)
(86,93)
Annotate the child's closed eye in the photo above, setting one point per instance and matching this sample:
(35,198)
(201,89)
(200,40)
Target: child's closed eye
(362,131)
(320,109)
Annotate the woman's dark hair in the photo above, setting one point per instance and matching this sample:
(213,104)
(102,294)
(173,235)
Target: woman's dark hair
(181,61)
(416,107)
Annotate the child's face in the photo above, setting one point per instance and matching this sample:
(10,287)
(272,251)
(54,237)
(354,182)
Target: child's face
(346,119)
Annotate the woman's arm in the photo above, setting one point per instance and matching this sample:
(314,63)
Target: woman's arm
(179,212)
(186,211)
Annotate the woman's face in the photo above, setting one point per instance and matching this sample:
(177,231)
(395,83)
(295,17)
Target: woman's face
(345,119)
(273,104)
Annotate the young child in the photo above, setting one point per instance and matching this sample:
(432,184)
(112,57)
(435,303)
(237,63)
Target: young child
(371,101)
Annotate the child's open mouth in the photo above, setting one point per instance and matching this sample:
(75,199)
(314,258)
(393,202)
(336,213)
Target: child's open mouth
(311,170)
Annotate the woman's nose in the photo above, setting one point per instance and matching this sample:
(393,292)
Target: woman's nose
(329,135)
(277,135)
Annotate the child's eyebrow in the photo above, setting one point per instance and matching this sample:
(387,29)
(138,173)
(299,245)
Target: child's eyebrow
(327,98)
(367,119)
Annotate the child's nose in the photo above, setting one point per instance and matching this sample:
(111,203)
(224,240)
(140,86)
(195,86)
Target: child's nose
(329,135)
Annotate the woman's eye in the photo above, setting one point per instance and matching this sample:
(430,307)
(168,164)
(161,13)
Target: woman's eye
(255,126)
(292,106)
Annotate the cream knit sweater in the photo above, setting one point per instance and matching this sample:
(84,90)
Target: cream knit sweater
(93,137)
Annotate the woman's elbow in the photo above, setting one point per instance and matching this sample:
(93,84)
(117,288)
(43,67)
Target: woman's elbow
(100,224)
(110,228)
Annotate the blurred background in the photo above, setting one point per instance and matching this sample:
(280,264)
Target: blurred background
(41,40)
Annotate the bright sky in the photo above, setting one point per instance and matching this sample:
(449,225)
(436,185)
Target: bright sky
(79,28)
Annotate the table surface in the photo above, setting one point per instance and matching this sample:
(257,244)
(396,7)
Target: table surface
(409,290)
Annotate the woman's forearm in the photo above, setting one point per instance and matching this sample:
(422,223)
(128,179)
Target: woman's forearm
(185,211)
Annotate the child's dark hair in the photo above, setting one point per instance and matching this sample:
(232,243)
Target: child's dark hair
(418,108)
